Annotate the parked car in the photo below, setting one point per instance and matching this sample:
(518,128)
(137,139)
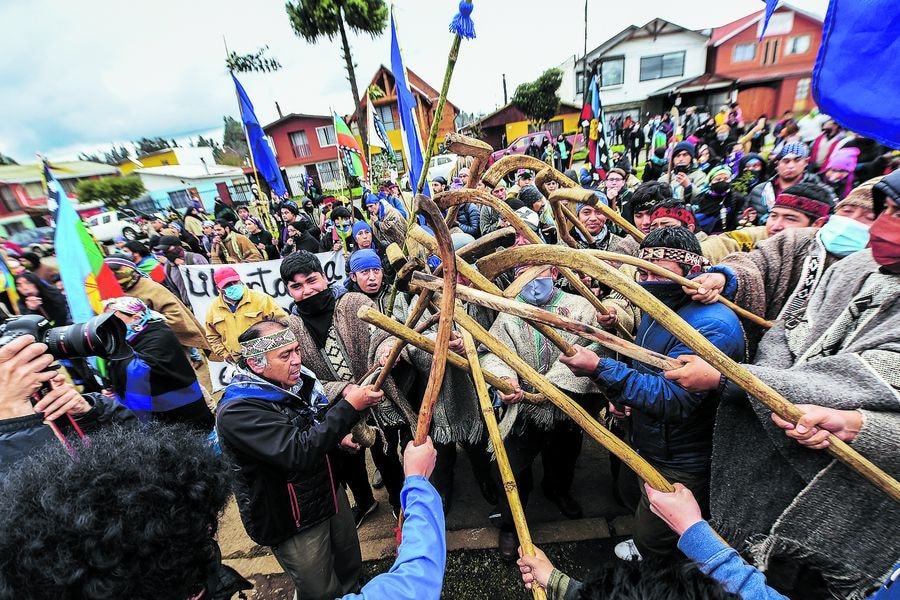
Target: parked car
(38,240)
(106,226)
(521,144)
(439,166)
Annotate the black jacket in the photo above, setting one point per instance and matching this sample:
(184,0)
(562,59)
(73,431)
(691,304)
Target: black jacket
(278,444)
(23,436)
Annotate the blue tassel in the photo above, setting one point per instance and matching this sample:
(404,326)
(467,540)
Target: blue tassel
(462,24)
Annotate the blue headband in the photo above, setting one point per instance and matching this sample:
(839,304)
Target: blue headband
(364,259)
(361,226)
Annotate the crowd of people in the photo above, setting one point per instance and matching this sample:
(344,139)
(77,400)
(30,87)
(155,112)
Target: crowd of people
(806,236)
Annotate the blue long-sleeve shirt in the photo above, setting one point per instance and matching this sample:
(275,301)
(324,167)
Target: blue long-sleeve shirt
(418,572)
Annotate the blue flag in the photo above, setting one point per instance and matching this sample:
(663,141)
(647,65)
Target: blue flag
(262,152)
(847,85)
(771,5)
(409,127)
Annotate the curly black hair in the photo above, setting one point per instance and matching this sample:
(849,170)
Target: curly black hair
(638,580)
(133,516)
(301,262)
(649,194)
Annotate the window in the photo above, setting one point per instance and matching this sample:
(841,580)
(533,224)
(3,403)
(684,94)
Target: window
(300,144)
(329,172)
(386,114)
(326,136)
(661,66)
(554,127)
(612,71)
(34,190)
(105,219)
(180,199)
(798,45)
(802,92)
(770,51)
(579,83)
(743,53)
(8,199)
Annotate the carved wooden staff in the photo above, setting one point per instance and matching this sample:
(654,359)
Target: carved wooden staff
(408,336)
(663,315)
(447,199)
(463,145)
(519,283)
(663,272)
(513,162)
(588,197)
(539,315)
(506,474)
(503,237)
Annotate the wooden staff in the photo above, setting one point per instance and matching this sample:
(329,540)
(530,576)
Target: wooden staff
(635,462)
(663,315)
(479,281)
(433,216)
(507,164)
(539,315)
(506,474)
(663,272)
(505,236)
(446,199)
(549,173)
(371,315)
(462,145)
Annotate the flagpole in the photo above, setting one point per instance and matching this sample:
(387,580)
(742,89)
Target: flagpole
(264,214)
(344,184)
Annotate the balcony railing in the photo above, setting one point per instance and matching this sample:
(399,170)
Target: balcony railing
(301,150)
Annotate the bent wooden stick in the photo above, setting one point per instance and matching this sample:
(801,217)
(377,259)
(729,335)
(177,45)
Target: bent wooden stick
(371,315)
(527,276)
(456,197)
(539,315)
(609,441)
(507,164)
(663,272)
(583,196)
(506,473)
(596,268)
(428,209)
(505,236)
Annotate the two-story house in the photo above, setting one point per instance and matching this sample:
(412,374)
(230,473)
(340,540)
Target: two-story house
(774,74)
(305,146)
(633,65)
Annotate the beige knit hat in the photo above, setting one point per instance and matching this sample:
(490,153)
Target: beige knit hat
(860,196)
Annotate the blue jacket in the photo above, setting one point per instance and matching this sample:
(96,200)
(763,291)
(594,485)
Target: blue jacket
(469,219)
(670,426)
(722,562)
(418,572)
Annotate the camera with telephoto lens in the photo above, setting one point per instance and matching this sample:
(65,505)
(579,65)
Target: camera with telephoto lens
(102,336)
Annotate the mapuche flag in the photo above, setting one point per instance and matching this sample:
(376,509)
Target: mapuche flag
(350,150)
(86,279)
(592,119)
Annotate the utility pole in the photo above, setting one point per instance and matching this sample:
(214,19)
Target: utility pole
(504,90)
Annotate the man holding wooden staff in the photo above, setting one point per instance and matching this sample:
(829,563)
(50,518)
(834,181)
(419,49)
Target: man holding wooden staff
(670,427)
(809,520)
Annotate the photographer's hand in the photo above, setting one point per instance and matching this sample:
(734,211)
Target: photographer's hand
(62,399)
(23,365)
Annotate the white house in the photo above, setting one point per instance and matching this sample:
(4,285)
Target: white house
(176,185)
(638,61)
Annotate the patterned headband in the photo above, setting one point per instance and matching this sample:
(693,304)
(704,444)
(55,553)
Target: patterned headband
(266,343)
(811,207)
(694,262)
(680,214)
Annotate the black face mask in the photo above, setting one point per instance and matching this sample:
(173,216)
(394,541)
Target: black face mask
(720,187)
(316,304)
(667,292)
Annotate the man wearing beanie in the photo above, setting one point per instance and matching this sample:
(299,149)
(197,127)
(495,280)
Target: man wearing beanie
(804,204)
(615,188)
(388,222)
(685,179)
(670,427)
(792,168)
(595,222)
(291,215)
(234,310)
(489,219)
(776,279)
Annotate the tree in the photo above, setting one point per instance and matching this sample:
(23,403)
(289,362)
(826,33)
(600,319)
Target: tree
(113,156)
(234,144)
(253,62)
(148,145)
(7,160)
(314,19)
(114,192)
(539,99)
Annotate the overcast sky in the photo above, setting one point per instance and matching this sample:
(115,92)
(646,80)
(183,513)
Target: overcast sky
(80,75)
